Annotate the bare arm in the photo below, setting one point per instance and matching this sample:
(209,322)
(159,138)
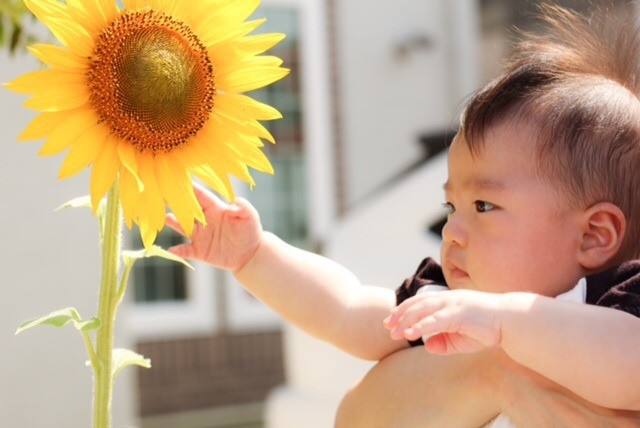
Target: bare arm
(593,351)
(311,292)
(321,297)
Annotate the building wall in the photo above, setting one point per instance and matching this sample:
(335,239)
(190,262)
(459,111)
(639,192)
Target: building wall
(50,261)
(388,99)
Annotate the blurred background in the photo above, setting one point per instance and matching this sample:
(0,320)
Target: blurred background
(373,98)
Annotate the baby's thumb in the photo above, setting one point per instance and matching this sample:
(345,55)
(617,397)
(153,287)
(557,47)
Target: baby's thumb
(185,251)
(241,208)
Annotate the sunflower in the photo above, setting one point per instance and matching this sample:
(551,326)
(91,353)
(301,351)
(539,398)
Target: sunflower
(150,96)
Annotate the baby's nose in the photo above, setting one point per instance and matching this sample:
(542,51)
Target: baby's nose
(454,232)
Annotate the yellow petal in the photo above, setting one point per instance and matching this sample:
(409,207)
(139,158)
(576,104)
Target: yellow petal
(128,157)
(177,189)
(41,81)
(90,14)
(59,98)
(72,35)
(109,9)
(152,206)
(84,151)
(246,127)
(254,45)
(261,131)
(218,155)
(225,19)
(148,234)
(68,132)
(262,61)
(247,149)
(44,9)
(104,171)
(58,57)
(209,176)
(249,78)
(242,107)
(78,14)
(129,196)
(168,7)
(225,57)
(134,4)
(195,14)
(246,28)
(43,124)
(251,155)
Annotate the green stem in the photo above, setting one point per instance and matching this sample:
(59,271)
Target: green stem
(107,306)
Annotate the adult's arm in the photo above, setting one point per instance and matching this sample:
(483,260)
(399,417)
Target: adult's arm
(531,400)
(412,388)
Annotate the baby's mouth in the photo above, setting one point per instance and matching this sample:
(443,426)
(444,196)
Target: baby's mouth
(456,272)
(459,274)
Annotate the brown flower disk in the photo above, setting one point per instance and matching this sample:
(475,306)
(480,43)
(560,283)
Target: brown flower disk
(151,81)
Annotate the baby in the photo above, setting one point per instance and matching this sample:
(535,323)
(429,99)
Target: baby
(543,194)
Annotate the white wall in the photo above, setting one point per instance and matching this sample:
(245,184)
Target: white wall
(49,260)
(388,101)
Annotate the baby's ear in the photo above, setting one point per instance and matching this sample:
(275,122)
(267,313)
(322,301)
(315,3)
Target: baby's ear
(603,228)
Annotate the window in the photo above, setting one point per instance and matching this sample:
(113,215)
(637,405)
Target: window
(157,279)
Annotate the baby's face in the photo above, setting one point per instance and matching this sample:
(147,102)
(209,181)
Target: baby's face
(507,229)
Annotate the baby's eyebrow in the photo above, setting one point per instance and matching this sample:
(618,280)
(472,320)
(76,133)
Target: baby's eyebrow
(478,183)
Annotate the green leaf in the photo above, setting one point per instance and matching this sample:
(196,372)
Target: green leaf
(124,357)
(92,324)
(83,201)
(60,319)
(153,251)
(15,38)
(2,24)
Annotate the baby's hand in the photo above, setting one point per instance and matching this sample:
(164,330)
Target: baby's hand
(459,321)
(231,237)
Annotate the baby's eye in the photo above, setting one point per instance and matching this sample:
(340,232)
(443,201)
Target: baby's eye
(483,207)
(449,207)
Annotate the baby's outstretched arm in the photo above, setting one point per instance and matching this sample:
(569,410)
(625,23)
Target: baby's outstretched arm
(591,350)
(319,296)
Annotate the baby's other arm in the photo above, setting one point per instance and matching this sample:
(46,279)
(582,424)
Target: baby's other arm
(590,350)
(313,293)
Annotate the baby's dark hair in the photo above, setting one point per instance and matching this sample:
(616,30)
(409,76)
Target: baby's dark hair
(577,87)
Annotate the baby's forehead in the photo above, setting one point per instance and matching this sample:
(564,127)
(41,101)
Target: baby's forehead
(505,159)
(504,145)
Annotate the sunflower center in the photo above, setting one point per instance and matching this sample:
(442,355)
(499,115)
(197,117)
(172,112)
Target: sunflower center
(151,81)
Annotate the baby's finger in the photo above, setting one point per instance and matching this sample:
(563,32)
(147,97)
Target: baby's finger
(207,199)
(398,311)
(244,209)
(171,221)
(185,251)
(421,309)
(438,344)
(442,321)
